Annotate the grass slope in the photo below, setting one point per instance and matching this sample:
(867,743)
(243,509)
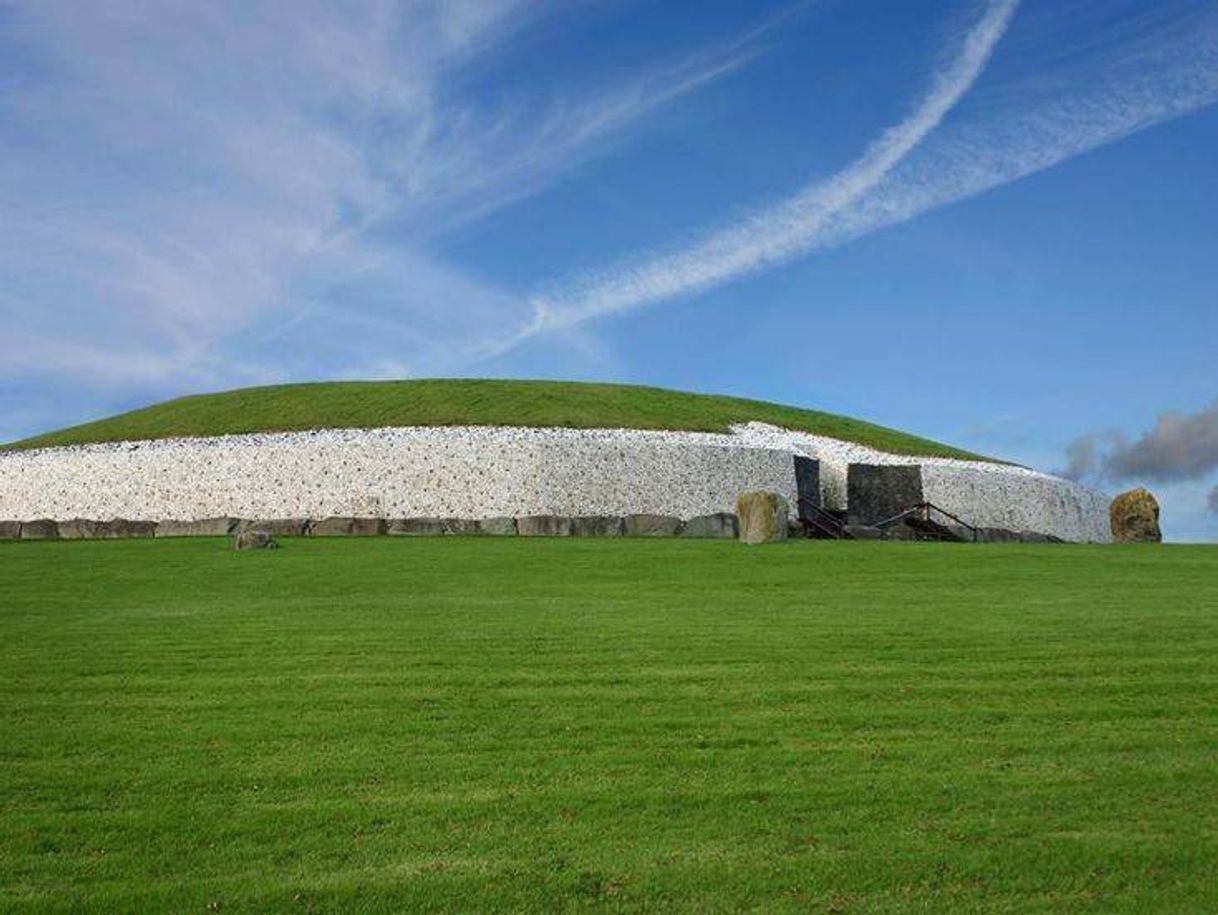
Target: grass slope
(478,402)
(453,725)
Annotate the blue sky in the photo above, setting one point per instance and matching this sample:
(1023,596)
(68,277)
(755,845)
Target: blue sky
(987,221)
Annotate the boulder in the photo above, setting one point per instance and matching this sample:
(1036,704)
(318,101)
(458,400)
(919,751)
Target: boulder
(763,517)
(544,526)
(498,527)
(255,540)
(596,526)
(10,530)
(721,526)
(347,527)
(206,527)
(42,529)
(280,527)
(652,526)
(416,527)
(1134,517)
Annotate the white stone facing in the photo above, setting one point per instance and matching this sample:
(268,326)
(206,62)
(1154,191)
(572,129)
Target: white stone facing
(479,472)
(457,472)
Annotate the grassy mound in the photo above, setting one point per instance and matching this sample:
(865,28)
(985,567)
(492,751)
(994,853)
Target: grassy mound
(467,725)
(483,402)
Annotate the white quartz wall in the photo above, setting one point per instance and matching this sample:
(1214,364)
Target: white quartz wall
(480,472)
(394,473)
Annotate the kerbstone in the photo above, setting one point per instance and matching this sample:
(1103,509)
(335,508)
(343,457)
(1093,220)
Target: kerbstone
(416,527)
(10,530)
(652,526)
(347,527)
(41,529)
(544,526)
(81,529)
(205,527)
(718,526)
(498,527)
(597,526)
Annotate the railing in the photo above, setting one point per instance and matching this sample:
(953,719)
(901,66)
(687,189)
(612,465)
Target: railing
(817,521)
(922,512)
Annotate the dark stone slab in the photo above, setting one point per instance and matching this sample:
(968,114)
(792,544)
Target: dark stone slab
(544,526)
(807,485)
(280,527)
(416,527)
(205,527)
(498,527)
(652,526)
(721,526)
(255,540)
(877,492)
(42,529)
(597,526)
(10,530)
(863,532)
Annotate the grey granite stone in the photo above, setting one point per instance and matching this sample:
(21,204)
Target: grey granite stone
(720,525)
(42,529)
(652,526)
(82,529)
(416,527)
(10,530)
(498,527)
(596,526)
(544,526)
(205,527)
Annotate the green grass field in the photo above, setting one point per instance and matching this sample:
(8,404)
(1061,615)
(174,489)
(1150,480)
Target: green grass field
(473,402)
(567,725)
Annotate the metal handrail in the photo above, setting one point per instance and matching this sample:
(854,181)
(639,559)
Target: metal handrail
(926,508)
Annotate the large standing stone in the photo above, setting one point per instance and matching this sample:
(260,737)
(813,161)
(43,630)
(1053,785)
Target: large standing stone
(255,540)
(42,529)
(1134,516)
(205,527)
(10,530)
(763,517)
(652,526)
(544,526)
(807,486)
(719,526)
(877,492)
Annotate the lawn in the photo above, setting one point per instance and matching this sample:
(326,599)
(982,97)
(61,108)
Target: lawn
(471,402)
(545,725)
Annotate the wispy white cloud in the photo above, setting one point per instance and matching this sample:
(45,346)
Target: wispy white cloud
(792,227)
(922,164)
(194,189)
